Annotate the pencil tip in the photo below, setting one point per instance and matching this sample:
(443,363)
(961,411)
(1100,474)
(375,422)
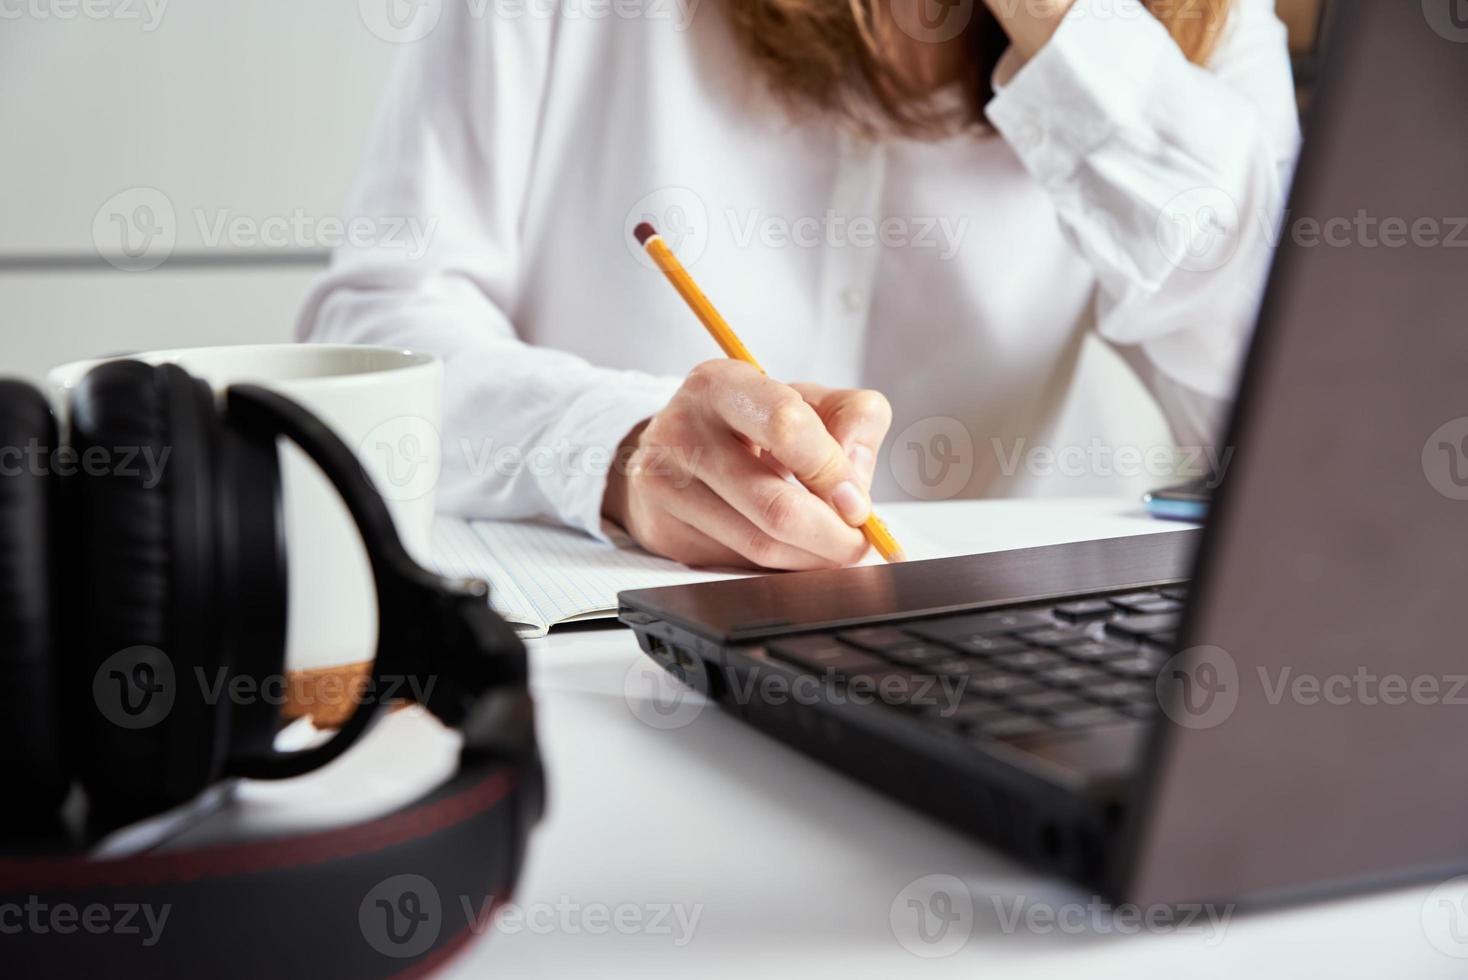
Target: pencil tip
(643,232)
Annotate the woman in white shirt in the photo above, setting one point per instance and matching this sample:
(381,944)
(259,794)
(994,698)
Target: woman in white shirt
(930,199)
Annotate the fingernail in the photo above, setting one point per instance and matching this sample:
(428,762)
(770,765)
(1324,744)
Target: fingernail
(851,503)
(864,462)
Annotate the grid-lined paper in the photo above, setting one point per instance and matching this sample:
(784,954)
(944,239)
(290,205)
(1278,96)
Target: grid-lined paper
(542,575)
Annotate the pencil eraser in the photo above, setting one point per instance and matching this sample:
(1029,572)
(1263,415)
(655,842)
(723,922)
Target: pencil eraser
(643,232)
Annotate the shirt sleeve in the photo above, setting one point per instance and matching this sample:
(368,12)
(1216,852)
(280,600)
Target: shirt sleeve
(527,431)
(1170,179)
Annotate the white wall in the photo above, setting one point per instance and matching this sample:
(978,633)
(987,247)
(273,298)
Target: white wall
(255,110)
(201,110)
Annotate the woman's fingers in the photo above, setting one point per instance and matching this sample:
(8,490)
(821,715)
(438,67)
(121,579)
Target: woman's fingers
(741,469)
(774,417)
(744,543)
(785,511)
(857,419)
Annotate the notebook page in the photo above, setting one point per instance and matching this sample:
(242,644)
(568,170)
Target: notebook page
(458,552)
(566,576)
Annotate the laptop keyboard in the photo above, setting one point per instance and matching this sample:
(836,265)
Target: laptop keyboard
(1069,666)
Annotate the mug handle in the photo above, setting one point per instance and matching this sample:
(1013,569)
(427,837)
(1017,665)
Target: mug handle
(440,630)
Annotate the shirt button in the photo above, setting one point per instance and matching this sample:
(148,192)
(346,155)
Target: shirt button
(853,300)
(1029,135)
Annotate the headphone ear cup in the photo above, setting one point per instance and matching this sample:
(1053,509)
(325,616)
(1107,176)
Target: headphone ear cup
(33,765)
(146,653)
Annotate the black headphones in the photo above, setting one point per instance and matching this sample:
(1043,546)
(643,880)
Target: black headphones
(146,548)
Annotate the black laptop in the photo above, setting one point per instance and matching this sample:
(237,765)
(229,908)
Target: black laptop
(1272,707)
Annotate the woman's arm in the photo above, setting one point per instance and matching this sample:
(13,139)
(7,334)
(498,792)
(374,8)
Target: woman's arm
(528,432)
(1168,177)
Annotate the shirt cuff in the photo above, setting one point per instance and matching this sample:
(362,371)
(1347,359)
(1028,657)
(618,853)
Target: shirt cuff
(586,440)
(1091,78)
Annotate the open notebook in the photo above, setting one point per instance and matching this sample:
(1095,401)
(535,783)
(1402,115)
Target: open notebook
(541,575)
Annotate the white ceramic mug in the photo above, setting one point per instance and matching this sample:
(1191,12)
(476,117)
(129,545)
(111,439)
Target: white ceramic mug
(382,402)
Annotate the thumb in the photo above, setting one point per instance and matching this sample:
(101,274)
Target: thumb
(858,419)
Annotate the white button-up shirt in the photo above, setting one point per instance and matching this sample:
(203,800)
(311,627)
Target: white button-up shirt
(1126,191)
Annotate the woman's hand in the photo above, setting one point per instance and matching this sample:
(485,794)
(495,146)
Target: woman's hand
(1030,23)
(703,481)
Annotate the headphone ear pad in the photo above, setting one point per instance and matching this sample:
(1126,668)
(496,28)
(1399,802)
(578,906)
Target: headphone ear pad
(146,588)
(33,765)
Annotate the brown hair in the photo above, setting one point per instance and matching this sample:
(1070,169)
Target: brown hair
(825,55)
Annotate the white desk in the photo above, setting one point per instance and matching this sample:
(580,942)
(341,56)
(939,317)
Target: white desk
(793,870)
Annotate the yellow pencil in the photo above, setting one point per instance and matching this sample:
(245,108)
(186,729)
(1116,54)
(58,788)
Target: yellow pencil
(647,236)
